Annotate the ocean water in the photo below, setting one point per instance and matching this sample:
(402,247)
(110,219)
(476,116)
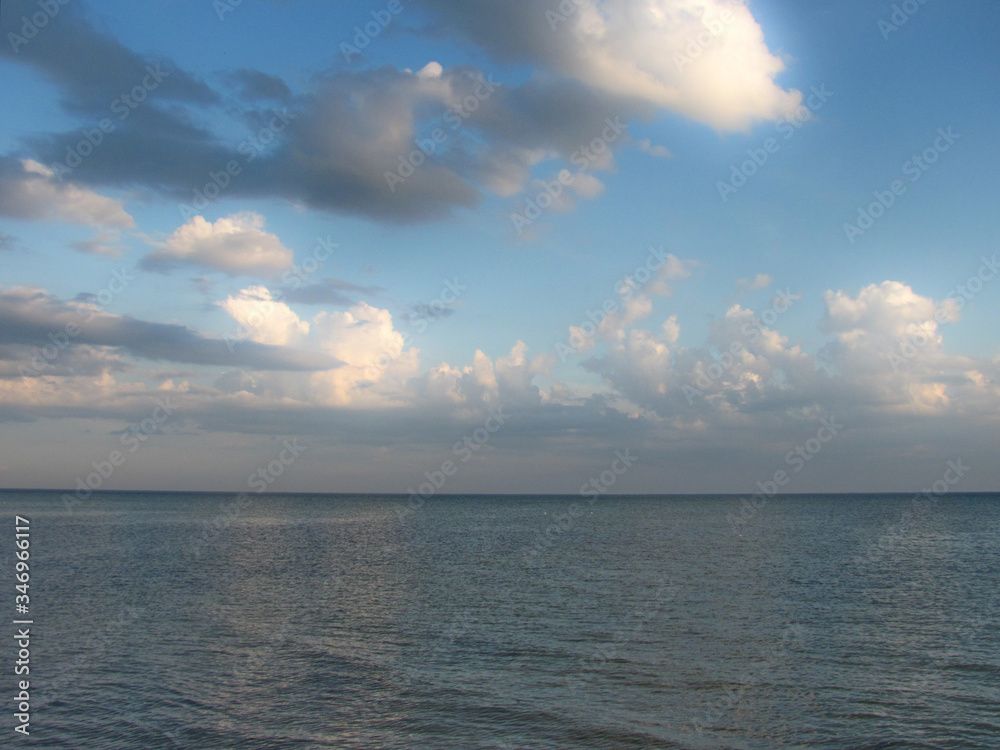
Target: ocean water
(331,621)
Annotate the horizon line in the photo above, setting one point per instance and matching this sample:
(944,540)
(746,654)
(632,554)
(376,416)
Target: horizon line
(502,494)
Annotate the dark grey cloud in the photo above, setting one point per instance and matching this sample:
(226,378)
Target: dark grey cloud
(32,317)
(428,312)
(128,408)
(90,67)
(156,145)
(18,359)
(426,426)
(152,149)
(337,144)
(354,129)
(332,154)
(513,31)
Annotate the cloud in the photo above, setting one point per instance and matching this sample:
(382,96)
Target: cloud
(91,67)
(886,310)
(764,394)
(760,281)
(268,321)
(671,330)
(888,344)
(641,50)
(257,86)
(158,145)
(373,352)
(635,303)
(30,317)
(660,152)
(338,141)
(74,361)
(29,191)
(356,128)
(886,357)
(373,362)
(508,380)
(672,269)
(430,312)
(332,292)
(104,243)
(586,185)
(236,245)
(377,369)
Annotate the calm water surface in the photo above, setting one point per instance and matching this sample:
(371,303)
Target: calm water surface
(509,622)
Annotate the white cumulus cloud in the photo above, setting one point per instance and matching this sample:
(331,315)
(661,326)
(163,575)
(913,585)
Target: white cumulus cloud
(266,320)
(236,245)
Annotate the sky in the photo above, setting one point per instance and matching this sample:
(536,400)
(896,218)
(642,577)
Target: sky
(440,246)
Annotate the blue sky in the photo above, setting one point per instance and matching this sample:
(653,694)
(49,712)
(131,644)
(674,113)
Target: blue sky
(758,311)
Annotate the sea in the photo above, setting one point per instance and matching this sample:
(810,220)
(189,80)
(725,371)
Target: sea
(187,620)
